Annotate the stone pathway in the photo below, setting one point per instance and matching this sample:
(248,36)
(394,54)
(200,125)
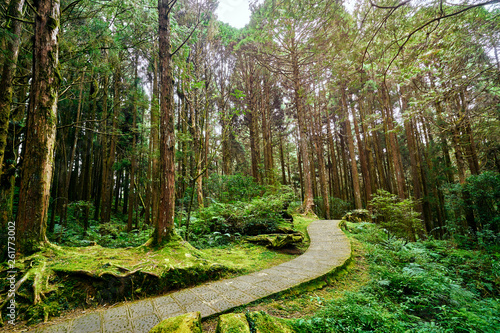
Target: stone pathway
(329,249)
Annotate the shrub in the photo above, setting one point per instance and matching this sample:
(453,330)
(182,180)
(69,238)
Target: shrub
(232,188)
(260,215)
(473,210)
(397,216)
(425,286)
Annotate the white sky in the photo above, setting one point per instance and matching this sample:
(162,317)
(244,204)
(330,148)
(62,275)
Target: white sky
(234,12)
(237,14)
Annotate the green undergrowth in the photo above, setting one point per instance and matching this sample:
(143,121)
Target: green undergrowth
(392,285)
(61,278)
(427,286)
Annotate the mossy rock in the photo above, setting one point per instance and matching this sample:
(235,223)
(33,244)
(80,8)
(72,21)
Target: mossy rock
(276,241)
(358,215)
(186,323)
(233,323)
(261,322)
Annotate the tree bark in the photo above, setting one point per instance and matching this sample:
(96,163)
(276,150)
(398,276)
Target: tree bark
(155,122)
(362,157)
(67,180)
(308,203)
(318,142)
(414,161)
(108,179)
(131,204)
(88,165)
(9,68)
(350,142)
(282,160)
(393,144)
(36,175)
(458,154)
(165,226)
(334,160)
(266,133)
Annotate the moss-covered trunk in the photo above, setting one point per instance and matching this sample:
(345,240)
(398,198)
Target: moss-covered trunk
(40,129)
(9,67)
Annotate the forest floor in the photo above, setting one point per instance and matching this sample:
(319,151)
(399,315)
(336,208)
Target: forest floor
(95,277)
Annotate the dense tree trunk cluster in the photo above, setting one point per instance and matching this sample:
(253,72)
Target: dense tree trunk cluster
(109,110)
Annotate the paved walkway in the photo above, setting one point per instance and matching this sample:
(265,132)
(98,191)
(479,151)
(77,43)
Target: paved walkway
(329,249)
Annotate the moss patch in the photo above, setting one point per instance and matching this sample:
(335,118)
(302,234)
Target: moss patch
(187,323)
(232,323)
(261,322)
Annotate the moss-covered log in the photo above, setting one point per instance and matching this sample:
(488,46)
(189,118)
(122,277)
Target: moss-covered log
(276,241)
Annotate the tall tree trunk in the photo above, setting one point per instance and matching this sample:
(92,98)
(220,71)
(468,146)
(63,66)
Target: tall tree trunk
(334,164)
(369,147)
(393,144)
(345,169)
(36,175)
(308,203)
(301,173)
(350,142)
(149,175)
(7,183)
(362,157)
(131,204)
(266,133)
(89,154)
(254,142)
(471,150)
(102,169)
(67,180)
(282,160)
(9,68)
(458,154)
(155,123)
(165,226)
(119,176)
(318,142)
(468,139)
(414,161)
(125,190)
(107,183)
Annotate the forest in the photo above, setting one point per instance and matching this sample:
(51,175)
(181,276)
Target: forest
(136,131)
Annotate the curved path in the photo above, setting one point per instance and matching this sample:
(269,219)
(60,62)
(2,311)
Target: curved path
(329,249)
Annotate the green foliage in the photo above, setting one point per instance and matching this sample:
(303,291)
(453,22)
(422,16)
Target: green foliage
(415,287)
(232,188)
(483,194)
(220,223)
(112,234)
(338,207)
(397,216)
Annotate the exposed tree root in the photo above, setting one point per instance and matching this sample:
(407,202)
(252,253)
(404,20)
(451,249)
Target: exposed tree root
(38,285)
(10,295)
